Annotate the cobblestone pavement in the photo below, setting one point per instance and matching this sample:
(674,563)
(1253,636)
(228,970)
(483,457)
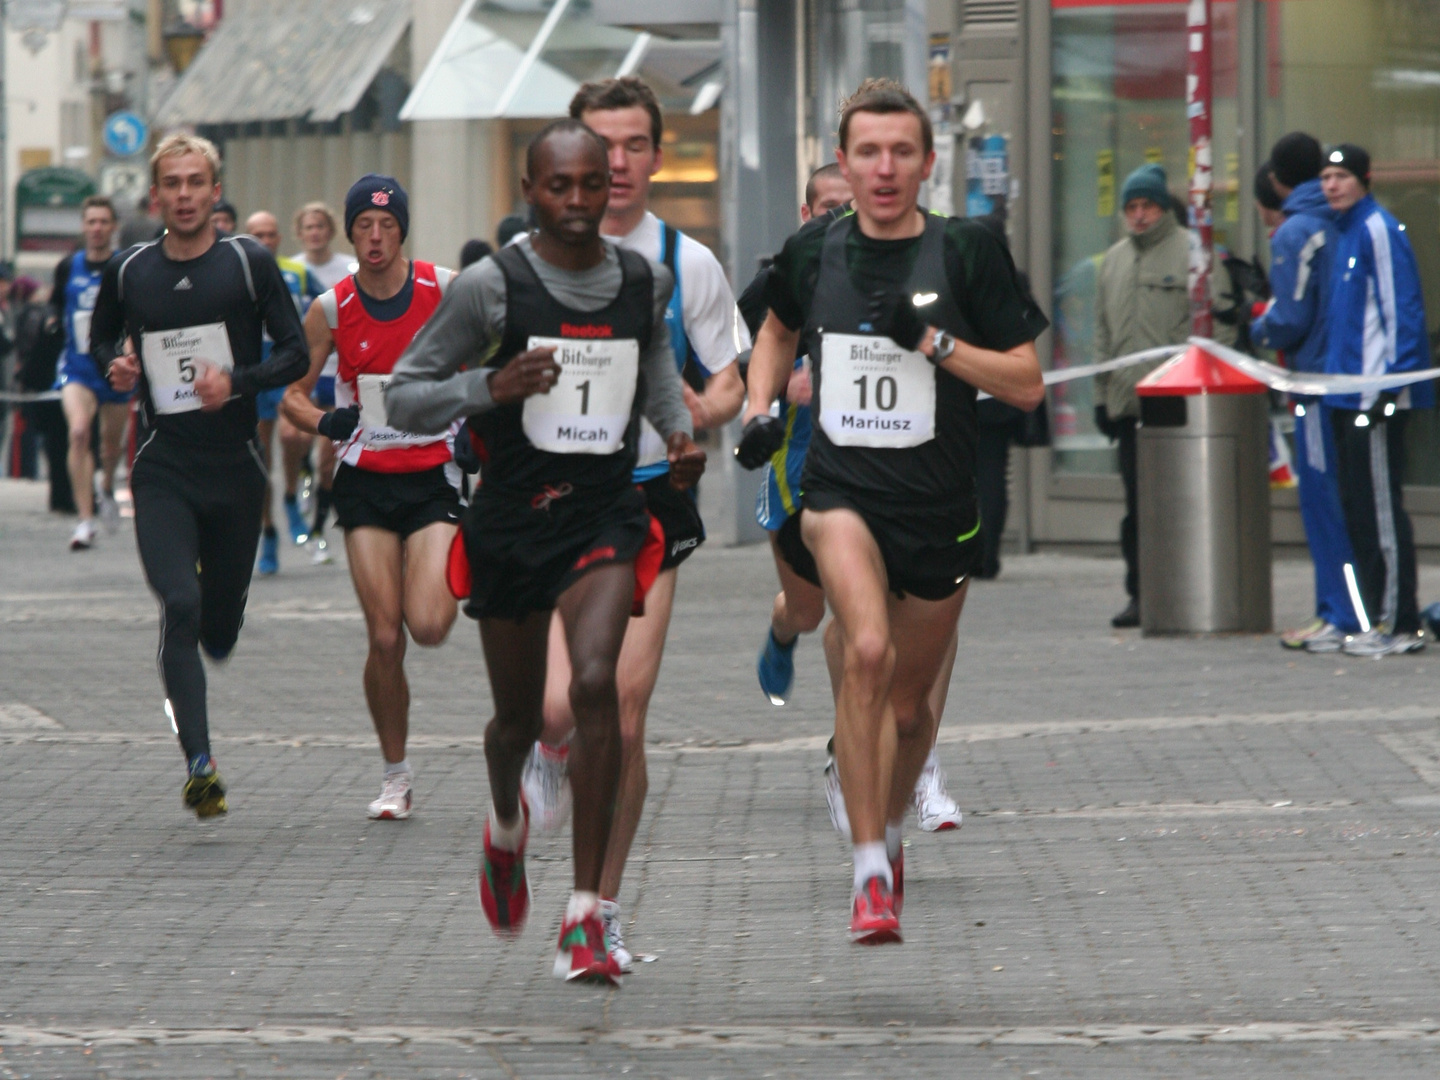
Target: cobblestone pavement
(1182,857)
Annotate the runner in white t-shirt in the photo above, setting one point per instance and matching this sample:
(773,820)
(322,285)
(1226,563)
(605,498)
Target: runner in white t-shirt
(707,335)
(315,228)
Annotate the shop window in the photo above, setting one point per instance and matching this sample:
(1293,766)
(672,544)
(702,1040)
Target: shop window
(1118,97)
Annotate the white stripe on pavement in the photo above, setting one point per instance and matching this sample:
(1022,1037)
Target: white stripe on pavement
(963,733)
(727,1037)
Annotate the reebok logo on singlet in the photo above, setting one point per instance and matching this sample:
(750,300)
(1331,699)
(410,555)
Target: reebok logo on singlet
(603,330)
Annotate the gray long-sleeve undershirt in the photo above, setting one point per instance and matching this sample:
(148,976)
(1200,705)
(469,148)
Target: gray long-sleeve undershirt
(428,390)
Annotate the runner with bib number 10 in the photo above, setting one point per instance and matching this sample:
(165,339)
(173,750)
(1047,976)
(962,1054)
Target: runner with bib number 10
(905,315)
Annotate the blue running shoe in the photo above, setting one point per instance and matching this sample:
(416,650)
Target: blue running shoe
(776,669)
(269,554)
(299,527)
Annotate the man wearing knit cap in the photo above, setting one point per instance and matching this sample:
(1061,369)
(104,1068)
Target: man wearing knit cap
(1294,322)
(1375,326)
(1142,301)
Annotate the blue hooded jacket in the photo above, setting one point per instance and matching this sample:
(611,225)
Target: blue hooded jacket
(1300,260)
(1376,320)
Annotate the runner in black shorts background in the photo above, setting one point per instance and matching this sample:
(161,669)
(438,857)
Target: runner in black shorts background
(196,306)
(396,493)
(906,315)
(576,327)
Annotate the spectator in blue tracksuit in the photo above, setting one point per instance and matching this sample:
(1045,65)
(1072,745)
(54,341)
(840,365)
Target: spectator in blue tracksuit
(1300,258)
(1376,326)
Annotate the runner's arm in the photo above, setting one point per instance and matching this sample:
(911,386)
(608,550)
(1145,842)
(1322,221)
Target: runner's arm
(664,404)
(428,390)
(297,406)
(724,394)
(1012,376)
(107,322)
(288,359)
(771,361)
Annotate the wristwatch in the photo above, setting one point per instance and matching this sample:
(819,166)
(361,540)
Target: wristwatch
(942,346)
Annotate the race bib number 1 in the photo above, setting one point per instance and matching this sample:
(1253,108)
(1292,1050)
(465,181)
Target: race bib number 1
(588,408)
(874,393)
(173,359)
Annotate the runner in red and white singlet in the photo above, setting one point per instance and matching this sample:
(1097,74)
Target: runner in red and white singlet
(396,493)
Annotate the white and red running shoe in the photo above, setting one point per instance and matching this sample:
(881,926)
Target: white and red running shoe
(504,888)
(545,780)
(396,798)
(873,919)
(582,955)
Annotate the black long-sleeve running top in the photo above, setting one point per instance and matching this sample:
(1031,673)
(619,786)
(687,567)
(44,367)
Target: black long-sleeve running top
(235,283)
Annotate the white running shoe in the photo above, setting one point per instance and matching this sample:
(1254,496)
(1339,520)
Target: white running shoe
(545,783)
(395,798)
(83,538)
(321,555)
(1329,638)
(835,800)
(934,808)
(109,511)
(614,941)
(1381,642)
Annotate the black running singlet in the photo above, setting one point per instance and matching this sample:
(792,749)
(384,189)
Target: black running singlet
(576,408)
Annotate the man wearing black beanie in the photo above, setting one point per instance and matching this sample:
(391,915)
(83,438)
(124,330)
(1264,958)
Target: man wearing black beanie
(1375,286)
(1294,159)
(1301,253)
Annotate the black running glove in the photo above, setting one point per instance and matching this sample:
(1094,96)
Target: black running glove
(894,316)
(464,454)
(340,424)
(762,436)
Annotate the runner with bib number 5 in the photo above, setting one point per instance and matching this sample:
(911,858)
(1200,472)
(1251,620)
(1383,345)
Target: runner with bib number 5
(197,305)
(906,314)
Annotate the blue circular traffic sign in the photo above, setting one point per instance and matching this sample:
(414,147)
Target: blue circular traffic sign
(124,134)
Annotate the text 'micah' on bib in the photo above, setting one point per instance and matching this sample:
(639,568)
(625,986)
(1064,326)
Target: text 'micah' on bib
(875,393)
(172,362)
(588,409)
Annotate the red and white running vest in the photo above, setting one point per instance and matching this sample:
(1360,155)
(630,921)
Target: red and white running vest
(368,350)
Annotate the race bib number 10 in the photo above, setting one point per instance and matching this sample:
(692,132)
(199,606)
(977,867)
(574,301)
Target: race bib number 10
(588,408)
(173,359)
(874,393)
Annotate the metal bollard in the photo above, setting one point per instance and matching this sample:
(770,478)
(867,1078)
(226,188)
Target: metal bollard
(1204,499)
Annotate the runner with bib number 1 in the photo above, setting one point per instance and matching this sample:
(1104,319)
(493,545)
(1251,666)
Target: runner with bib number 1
(906,314)
(574,329)
(197,305)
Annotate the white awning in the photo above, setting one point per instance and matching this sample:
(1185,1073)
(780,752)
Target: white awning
(516,60)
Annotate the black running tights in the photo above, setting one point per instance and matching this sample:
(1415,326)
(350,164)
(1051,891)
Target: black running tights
(197,527)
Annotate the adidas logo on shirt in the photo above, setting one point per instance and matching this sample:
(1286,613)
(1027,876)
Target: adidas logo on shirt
(183,283)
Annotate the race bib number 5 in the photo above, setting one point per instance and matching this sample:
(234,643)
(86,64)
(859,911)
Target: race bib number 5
(588,408)
(173,359)
(874,393)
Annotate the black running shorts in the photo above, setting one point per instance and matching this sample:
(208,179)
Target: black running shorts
(522,555)
(402,503)
(928,551)
(679,517)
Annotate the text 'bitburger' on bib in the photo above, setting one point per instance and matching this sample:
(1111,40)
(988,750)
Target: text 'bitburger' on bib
(874,393)
(588,409)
